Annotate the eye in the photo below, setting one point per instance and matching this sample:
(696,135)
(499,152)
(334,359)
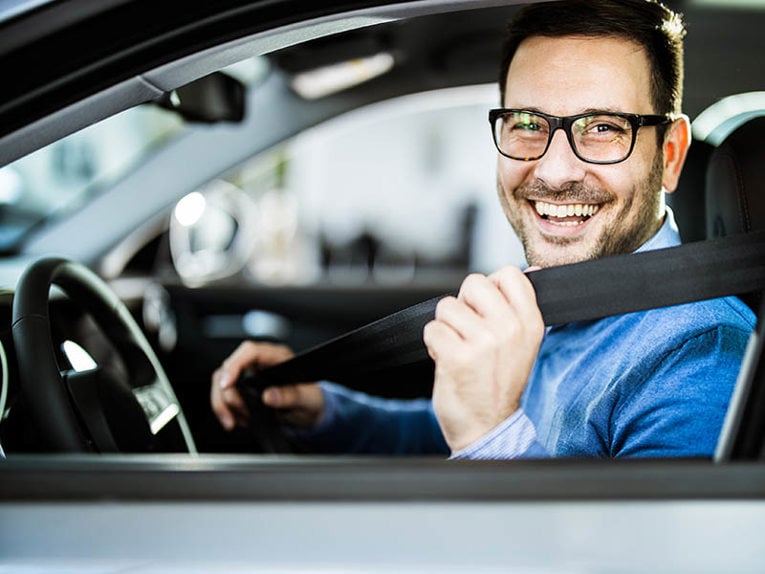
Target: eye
(604,127)
(527,126)
(528,123)
(601,126)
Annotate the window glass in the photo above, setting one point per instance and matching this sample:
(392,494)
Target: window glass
(399,191)
(61,176)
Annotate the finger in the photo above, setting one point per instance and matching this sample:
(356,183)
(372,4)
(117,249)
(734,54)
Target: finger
(298,405)
(228,405)
(224,414)
(439,339)
(459,316)
(514,285)
(519,293)
(243,356)
(483,296)
(251,355)
(239,409)
(221,379)
(272,397)
(235,403)
(286,397)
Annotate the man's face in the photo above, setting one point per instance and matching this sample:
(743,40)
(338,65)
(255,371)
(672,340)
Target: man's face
(622,204)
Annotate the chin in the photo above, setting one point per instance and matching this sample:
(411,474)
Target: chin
(552,256)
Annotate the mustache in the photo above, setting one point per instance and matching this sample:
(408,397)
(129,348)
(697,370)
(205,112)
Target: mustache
(574,192)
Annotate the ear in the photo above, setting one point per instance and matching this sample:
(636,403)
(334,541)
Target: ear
(677,140)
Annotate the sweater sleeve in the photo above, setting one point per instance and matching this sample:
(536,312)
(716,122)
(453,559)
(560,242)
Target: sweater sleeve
(356,423)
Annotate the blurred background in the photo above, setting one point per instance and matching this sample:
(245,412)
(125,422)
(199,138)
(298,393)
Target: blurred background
(393,192)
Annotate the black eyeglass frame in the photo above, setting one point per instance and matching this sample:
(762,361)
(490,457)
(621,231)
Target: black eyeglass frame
(556,123)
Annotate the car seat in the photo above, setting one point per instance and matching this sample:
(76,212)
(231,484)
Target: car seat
(687,201)
(735,185)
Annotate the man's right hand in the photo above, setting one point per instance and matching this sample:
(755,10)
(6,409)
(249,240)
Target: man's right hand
(298,405)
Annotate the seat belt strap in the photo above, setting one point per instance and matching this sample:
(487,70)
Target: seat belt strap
(570,293)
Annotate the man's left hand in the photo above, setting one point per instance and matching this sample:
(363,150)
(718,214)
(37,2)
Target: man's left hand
(484,343)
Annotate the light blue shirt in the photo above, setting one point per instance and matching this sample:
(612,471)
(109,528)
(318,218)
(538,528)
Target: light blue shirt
(653,383)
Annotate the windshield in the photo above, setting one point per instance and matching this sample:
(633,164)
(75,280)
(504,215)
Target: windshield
(59,177)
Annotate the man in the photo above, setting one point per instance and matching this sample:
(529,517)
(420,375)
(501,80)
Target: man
(590,137)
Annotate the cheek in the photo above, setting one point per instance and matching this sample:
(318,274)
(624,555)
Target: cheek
(510,174)
(617,186)
(621,179)
(641,166)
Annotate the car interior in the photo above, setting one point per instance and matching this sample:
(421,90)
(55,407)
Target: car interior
(175,181)
(192,322)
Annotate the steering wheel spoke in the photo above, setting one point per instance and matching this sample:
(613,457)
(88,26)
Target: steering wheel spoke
(158,406)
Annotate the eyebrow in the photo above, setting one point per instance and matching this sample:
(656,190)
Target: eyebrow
(607,110)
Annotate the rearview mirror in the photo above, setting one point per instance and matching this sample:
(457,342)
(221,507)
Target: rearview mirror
(210,99)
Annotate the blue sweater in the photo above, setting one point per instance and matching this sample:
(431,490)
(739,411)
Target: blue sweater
(654,383)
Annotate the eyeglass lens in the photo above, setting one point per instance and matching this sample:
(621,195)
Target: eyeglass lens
(599,137)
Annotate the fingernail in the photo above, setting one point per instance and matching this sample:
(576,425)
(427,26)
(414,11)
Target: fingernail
(227,423)
(224,381)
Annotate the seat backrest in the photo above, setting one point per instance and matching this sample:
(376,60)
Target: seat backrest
(687,201)
(735,187)
(735,183)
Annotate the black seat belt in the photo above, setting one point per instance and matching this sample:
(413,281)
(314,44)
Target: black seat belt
(584,291)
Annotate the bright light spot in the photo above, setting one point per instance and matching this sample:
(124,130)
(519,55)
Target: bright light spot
(330,79)
(673,26)
(258,323)
(159,422)
(10,185)
(78,357)
(190,209)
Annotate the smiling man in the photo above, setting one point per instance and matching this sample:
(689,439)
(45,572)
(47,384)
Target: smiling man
(564,207)
(590,138)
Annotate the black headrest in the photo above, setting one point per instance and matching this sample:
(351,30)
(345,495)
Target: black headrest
(735,187)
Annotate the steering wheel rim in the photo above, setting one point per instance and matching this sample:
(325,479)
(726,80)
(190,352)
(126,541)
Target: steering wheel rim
(42,381)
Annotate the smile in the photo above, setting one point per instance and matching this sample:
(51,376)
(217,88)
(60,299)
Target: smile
(567,215)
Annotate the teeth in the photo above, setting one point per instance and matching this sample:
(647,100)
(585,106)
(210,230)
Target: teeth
(578,209)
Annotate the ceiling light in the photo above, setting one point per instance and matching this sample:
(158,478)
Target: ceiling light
(189,210)
(328,80)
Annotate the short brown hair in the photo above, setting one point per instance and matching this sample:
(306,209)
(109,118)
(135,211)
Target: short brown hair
(648,23)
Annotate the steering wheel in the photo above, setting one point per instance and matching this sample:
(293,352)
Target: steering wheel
(99,409)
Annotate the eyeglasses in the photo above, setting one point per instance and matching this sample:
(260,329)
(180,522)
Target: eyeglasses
(596,137)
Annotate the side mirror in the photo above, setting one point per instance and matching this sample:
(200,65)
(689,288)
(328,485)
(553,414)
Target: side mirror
(210,99)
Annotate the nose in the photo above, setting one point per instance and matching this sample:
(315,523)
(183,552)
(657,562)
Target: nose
(559,166)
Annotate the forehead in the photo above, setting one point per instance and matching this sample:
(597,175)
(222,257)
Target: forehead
(573,74)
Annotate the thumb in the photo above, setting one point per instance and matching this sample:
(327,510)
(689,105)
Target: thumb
(299,405)
(287,397)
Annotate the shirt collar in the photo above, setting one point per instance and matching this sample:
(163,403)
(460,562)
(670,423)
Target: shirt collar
(667,236)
